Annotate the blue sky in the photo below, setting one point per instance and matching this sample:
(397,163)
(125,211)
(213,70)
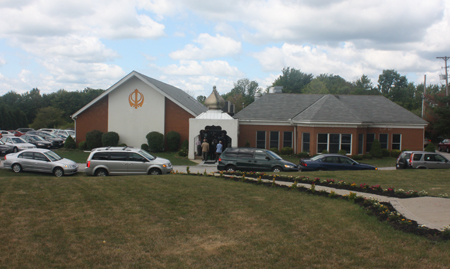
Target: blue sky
(195,44)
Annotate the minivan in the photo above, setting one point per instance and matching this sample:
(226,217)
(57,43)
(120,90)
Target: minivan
(125,161)
(430,160)
(253,159)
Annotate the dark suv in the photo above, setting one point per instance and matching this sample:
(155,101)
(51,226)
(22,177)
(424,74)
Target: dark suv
(251,159)
(403,160)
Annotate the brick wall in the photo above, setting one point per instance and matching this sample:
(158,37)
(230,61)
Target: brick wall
(93,118)
(177,119)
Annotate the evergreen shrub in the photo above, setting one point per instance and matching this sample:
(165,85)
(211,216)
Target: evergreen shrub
(385,153)
(144,147)
(110,139)
(375,151)
(342,152)
(155,141)
(173,141)
(357,157)
(303,155)
(430,148)
(275,150)
(287,151)
(395,153)
(82,145)
(70,143)
(94,139)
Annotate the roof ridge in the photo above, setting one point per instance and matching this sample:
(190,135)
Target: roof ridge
(349,108)
(310,106)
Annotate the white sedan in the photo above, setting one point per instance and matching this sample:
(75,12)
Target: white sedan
(17,143)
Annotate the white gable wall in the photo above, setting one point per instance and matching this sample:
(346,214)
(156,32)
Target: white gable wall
(133,124)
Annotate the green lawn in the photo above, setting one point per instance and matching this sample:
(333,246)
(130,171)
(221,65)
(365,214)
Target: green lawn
(176,221)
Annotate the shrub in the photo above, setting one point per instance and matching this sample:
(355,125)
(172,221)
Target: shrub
(110,139)
(325,151)
(82,145)
(155,141)
(185,145)
(173,141)
(274,150)
(94,139)
(287,151)
(303,154)
(430,148)
(122,145)
(367,156)
(247,144)
(357,157)
(395,153)
(342,152)
(385,153)
(70,143)
(375,151)
(144,147)
(183,152)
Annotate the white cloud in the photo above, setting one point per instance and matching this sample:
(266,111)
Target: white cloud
(211,47)
(195,68)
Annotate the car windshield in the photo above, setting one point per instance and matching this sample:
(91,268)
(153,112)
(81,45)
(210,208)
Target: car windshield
(146,155)
(17,140)
(50,135)
(274,155)
(37,138)
(52,156)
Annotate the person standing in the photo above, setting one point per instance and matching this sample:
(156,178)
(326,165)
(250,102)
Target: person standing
(199,147)
(219,150)
(205,149)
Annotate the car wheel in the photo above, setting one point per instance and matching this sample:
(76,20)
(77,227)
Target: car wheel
(230,168)
(101,173)
(17,168)
(277,169)
(15,149)
(58,172)
(155,171)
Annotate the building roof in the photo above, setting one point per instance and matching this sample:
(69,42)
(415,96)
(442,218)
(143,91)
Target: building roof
(178,96)
(327,109)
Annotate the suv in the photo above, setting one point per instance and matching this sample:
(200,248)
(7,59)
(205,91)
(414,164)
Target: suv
(125,161)
(252,159)
(403,160)
(430,160)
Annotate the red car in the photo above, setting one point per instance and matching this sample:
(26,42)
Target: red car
(16,133)
(444,145)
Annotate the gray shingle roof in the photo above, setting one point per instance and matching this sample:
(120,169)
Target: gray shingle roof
(318,108)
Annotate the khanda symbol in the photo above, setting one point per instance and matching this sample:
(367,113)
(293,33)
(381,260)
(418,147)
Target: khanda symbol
(136,99)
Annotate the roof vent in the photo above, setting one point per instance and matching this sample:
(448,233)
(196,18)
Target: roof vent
(276,89)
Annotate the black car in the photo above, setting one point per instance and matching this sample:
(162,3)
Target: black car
(252,159)
(5,149)
(56,142)
(37,141)
(325,162)
(403,160)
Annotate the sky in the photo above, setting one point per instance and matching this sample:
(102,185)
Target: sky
(197,44)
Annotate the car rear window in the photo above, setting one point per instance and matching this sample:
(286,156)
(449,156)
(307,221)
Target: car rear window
(100,156)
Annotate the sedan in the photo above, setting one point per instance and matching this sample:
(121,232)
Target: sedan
(444,145)
(332,162)
(37,141)
(17,143)
(5,149)
(40,160)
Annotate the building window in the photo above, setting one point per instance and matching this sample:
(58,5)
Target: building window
(287,139)
(370,139)
(384,141)
(397,141)
(274,141)
(360,143)
(305,142)
(334,142)
(261,139)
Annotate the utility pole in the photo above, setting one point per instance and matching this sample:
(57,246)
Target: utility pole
(423,95)
(445,58)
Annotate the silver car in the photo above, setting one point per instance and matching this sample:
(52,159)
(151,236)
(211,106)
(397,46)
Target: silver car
(430,160)
(125,161)
(17,143)
(40,160)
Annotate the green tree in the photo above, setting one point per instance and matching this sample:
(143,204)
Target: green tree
(293,80)
(316,86)
(201,98)
(48,117)
(363,85)
(242,94)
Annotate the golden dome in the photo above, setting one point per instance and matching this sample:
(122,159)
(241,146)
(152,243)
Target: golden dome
(214,101)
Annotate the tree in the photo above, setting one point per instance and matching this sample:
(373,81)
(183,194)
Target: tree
(201,98)
(316,86)
(242,94)
(293,80)
(48,117)
(363,85)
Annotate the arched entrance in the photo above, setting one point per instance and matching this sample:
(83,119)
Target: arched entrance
(214,134)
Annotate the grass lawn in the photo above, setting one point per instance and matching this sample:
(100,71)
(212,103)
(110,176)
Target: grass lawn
(175,221)
(80,156)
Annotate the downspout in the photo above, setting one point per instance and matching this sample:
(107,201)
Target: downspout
(295,136)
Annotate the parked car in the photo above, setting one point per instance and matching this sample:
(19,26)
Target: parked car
(403,160)
(17,143)
(56,141)
(5,133)
(37,141)
(428,160)
(5,149)
(332,162)
(24,130)
(253,159)
(444,145)
(66,133)
(16,133)
(40,160)
(48,130)
(125,161)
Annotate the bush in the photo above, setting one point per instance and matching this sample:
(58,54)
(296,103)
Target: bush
(274,150)
(247,144)
(82,145)
(144,147)
(70,143)
(173,141)
(110,139)
(385,153)
(183,152)
(395,153)
(185,145)
(367,156)
(357,157)
(342,152)
(122,145)
(155,141)
(375,151)
(430,148)
(325,151)
(287,151)
(94,139)
(303,155)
